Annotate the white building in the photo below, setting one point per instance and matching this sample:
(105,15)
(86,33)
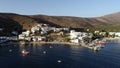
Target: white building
(96,32)
(45,29)
(74,34)
(112,33)
(26,33)
(90,35)
(117,34)
(59,29)
(21,37)
(34,29)
(75,41)
(102,33)
(77,37)
(28,38)
(37,38)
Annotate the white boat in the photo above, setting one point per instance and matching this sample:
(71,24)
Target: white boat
(96,48)
(3,41)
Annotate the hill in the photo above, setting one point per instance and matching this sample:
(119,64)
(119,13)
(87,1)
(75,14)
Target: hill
(15,22)
(110,22)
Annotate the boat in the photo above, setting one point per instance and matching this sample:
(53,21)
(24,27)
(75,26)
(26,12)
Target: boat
(3,41)
(24,53)
(103,42)
(96,48)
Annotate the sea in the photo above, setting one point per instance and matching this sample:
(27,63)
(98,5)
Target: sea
(59,56)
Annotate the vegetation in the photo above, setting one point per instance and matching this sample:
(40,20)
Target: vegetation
(23,22)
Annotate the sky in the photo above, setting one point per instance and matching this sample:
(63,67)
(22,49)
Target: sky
(78,8)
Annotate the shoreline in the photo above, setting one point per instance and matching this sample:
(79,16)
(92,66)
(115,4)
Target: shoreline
(112,38)
(66,43)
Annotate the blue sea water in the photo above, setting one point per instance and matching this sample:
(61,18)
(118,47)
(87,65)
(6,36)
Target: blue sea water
(49,55)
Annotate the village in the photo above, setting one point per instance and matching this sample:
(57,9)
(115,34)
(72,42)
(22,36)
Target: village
(45,33)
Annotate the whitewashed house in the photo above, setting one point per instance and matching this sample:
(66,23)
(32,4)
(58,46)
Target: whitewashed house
(57,29)
(117,34)
(102,33)
(26,33)
(37,38)
(90,35)
(45,24)
(34,38)
(77,37)
(75,41)
(28,38)
(21,37)
(85,35)
(96,32)
(112,33)
(66,29)
(45,29)
(24,36)
(52,28)
(39,25)
(35,29)
(80,38)
(74,34)
(43,32)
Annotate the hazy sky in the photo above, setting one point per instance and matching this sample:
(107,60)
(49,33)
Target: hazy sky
(80,8)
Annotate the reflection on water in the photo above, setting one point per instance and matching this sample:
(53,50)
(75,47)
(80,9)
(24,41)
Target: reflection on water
(59,56)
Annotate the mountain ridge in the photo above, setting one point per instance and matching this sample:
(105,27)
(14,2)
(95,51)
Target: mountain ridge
(109,22)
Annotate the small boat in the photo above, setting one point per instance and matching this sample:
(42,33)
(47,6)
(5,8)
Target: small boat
(51,47)
(25,52)
(10,50)
(103,42)
(44,52)
(96,48)
(59,61)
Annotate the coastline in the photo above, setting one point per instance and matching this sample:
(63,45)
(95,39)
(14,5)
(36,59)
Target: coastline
(112,38)
(31,42)
(64,43)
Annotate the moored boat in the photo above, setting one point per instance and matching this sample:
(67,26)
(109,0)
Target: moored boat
(96,48)
(24,53)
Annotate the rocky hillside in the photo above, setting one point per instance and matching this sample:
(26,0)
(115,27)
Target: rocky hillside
(109,22)
(15,22)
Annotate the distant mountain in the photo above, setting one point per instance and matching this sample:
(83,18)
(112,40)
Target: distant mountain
(15,22)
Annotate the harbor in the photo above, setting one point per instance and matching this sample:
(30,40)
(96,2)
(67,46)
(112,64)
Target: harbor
(59,56)
(59,34)
(94,45)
